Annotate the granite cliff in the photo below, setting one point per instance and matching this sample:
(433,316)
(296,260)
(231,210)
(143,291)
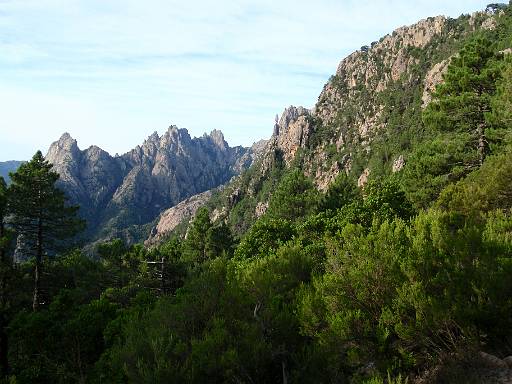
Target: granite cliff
(119,195)
(366,120)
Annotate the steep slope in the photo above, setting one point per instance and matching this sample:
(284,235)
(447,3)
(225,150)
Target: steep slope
(118,195)
(367,118)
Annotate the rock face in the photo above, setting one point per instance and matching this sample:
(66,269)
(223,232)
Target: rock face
(473,368)
(398,164)
(375,69)
(116,193)
(172,217)
(291,132)
(363,179)
(433,77)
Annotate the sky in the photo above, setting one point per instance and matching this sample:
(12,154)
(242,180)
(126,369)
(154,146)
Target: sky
(111,72)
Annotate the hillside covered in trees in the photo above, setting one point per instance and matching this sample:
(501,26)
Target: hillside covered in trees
(391,272)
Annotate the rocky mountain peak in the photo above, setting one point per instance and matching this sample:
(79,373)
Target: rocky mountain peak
(175,135)
(218,139)
(133,189)
(65,137)
(289,116)
(65,143)
(291,132)
(64,154)
(153,138)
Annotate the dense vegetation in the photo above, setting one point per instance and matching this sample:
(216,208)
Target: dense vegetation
(367,285)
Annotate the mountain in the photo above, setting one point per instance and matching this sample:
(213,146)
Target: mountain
(370,241)
(8,166)
(366,123)
(118,195)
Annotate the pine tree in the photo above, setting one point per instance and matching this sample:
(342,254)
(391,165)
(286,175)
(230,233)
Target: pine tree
(4,270)
(463,102)
(340,193)
(40,213)
(294,198)
(459,121)
(195,247)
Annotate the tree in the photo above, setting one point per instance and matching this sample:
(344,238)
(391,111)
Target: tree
(219,241)
(265,237)
(195,245)
(4,270)
(40,213)
(206,240)
(501,115)
(460,123)
(340,193)
(462,103)
(294,198)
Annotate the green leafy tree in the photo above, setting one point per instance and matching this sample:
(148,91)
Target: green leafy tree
(39,212)
(381,201)
(205,240)
(501,116)
(219,240)
(264,237)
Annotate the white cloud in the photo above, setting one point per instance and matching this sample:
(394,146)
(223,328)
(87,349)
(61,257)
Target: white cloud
(111,72)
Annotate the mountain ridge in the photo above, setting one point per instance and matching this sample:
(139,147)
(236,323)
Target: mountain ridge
(8,166)
(361,123)
(120,194)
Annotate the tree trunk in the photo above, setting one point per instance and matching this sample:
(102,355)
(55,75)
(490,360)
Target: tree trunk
(162,281)
(285,376)
(4,342)
(482,143)
(37,270)
(4,345)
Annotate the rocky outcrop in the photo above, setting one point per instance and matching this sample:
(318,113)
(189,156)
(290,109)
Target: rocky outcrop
(291,133)
(363,179)
(433,77)
(115,193)
(174,216)
(398,164)
(374,69)
(472,368)
(261,209)
(88,177)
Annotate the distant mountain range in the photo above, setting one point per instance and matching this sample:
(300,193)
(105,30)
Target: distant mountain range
(8,166)
(121,196)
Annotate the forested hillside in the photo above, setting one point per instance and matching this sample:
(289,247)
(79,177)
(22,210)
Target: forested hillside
(372,243)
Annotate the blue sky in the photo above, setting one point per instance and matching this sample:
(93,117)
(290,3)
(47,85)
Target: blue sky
(111,72)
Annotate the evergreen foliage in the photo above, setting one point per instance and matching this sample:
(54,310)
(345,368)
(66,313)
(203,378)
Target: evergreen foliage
(294,198)
(460,119)
(373,285)
(39,213)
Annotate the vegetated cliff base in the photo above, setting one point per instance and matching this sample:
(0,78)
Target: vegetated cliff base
(120,196)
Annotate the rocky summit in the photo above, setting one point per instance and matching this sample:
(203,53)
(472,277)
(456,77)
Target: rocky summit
(118,195)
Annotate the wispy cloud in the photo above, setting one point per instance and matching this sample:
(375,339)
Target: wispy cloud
(110,72)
